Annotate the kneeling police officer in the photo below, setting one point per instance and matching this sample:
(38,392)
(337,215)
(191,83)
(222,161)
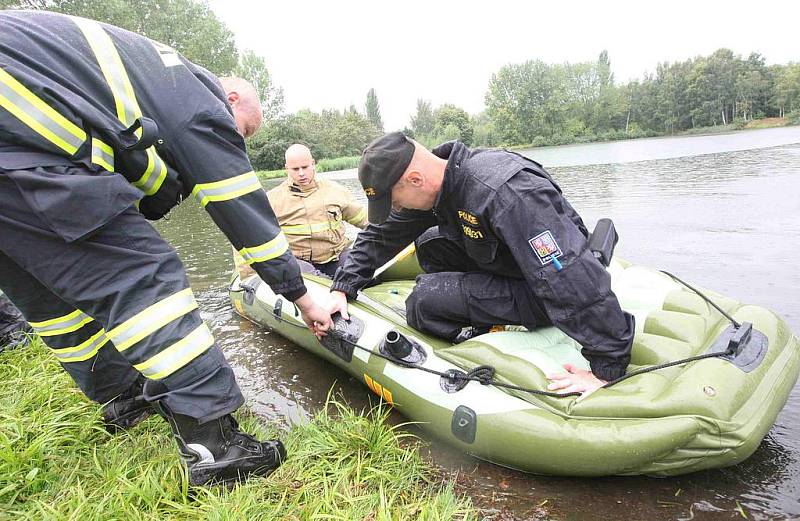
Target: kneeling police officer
(499,245)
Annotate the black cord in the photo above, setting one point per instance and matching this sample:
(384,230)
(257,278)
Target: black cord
(455,376)
(702,296)
(482,375)
(718,354)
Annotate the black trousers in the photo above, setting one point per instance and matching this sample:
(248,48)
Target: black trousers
(454,293)
(111,305)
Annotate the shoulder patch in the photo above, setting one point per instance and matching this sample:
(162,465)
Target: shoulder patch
(167,54)
(545,247)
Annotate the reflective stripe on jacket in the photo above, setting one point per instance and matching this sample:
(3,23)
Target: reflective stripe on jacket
(312,219)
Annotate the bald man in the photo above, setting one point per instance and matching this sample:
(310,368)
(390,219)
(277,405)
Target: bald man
(91,147)
(312,213)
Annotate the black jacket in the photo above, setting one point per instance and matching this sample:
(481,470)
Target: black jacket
(511,218)
(73,91)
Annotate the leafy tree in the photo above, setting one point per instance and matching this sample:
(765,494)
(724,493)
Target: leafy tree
(485,134)
(527,100)
(786,95)
(188,26)
(374,110)
(253,68)
(423,122)
(448,116)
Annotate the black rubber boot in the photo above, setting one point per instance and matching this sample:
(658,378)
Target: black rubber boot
(15,337)
(217,452)
(470,332)
(128,409)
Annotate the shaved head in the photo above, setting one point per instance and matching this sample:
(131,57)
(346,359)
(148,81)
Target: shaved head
(244,101)
(300,165)
(298,151)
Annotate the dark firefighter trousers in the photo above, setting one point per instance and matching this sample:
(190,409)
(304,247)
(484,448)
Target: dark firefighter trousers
(124,276)
(455,293)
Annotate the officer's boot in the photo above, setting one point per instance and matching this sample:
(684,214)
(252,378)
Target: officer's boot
(128,409)
(217,452)
(470,332)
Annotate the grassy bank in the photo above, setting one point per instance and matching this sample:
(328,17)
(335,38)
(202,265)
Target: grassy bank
(324,165)
(57,462)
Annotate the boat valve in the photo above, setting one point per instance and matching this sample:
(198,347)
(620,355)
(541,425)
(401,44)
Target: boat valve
(402,349)
(397,344)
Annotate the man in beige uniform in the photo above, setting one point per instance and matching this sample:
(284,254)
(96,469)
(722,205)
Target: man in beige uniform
(311,213)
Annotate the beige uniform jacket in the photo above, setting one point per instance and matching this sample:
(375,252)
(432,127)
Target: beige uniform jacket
(312,219)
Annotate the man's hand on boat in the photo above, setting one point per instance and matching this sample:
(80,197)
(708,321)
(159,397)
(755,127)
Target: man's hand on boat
(315,316)
(575,380)
(337,302)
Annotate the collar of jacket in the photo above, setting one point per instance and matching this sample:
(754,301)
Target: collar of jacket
(455,152)
(299,191)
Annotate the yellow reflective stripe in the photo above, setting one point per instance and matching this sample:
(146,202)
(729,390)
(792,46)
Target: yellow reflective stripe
(128,109)
(308,229)
(102,154)
(151,319)
(61,325)
(82,351)
(357,218)
(114,71)
(267,251)
(148,183)
(226,189)
(38,115)
(178,354)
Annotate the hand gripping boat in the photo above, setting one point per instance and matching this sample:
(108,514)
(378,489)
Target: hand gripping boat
(712,411)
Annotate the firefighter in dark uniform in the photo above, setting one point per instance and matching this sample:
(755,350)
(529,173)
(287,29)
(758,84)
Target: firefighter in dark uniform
(499,244)
(100,129)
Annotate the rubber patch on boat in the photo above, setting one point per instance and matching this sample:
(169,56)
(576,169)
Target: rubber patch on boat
(343,336)
(750,351)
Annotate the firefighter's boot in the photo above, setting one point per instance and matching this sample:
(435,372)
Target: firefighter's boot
(217,452)
(128,409)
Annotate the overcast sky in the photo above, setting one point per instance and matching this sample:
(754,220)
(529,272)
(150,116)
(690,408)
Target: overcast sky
(328,54)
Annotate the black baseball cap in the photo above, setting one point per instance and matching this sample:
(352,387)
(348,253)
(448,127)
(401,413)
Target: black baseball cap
(382,164)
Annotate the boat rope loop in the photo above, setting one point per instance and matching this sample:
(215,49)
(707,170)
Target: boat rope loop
(454,380)
(459,379)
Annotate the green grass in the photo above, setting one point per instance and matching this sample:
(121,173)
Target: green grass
(57,462)
(324,165)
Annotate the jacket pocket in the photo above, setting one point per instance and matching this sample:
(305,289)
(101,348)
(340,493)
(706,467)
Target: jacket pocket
(482,252)
(333,214)
(574,288)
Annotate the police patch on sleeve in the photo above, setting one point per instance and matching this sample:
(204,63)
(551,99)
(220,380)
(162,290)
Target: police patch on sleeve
(545,247)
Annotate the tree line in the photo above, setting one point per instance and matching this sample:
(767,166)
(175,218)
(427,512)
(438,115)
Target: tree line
(538,103)
(530,103)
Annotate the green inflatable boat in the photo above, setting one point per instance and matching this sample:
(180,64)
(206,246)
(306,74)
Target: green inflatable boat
(481,395)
